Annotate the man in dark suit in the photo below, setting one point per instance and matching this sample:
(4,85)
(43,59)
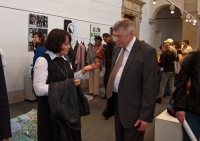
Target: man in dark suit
(108,58)
(134,87)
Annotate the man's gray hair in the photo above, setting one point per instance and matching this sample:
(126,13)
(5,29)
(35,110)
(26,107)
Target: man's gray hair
(125,24)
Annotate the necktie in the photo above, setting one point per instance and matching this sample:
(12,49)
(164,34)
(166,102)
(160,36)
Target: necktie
(113,74)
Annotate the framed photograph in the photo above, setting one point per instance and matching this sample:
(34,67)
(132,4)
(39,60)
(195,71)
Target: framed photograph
(95,30)
(36,23)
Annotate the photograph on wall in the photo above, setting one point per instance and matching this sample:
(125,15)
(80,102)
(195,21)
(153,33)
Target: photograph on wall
(95,30)
(71,26)
(36,23)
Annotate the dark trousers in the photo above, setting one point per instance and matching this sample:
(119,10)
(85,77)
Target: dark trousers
(106,76)
(125,134)
(76,135)
(194,123)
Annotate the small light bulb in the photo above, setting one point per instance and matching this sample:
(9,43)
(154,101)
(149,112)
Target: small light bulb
(195,21)
(172,12)
(186,20)
(154,2)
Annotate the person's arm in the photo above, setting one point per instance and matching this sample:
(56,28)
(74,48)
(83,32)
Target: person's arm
(149,90)
(180,58)
(162,59)
(87,68)
(180,96)
(187,50)
(40,77)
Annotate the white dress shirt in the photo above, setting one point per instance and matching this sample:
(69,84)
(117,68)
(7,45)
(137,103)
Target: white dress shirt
(119,73)
(41,74)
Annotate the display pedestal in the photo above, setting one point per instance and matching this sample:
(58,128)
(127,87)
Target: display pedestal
(28,89)
(167,128)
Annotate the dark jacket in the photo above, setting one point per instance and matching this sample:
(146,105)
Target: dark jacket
(5,130)
(136,92)
(108,52)
(167,61)
(67,103)
(190,69)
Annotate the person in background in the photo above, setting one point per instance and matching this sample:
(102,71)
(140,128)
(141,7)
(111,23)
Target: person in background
(170,42)
(39,40)
(160,72)
(108,58)
(186,101)
(167,61)
(177,45)
(53,67)
(5,129)
(94,75)
(130,91)
(186,48)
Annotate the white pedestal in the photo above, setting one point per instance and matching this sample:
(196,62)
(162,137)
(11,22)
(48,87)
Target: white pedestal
(28,89)
(167,128)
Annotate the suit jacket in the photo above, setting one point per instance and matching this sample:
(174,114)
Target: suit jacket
(5,129)
(108,53)
(137,89)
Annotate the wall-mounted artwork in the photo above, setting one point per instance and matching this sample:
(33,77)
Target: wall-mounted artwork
(36,23)
(71,26)
(95,30)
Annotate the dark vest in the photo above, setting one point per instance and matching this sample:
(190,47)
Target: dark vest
(54,75)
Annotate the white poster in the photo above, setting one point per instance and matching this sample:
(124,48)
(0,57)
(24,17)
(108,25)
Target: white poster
(95,30)
(71,26)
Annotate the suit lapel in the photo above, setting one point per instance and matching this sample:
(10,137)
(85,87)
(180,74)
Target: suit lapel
(135,49)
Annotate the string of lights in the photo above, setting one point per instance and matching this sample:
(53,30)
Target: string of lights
(189,17)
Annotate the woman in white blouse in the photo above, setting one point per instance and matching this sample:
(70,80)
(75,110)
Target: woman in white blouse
(54,67)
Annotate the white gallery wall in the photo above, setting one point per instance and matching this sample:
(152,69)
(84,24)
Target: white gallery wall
(14,23)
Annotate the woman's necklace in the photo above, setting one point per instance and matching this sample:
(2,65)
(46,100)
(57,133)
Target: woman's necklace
(66,75)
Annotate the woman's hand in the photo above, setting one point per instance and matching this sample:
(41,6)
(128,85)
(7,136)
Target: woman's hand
(87,68)
(77,82)
(5,139)
(96,65)
(90,67)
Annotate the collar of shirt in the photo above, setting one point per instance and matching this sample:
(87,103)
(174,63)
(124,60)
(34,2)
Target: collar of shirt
(53,55)
(130,45)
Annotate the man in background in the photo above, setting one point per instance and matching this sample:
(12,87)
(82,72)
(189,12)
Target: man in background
(108,58)
(186,48)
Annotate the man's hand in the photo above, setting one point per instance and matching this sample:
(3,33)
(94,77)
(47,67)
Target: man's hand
(5,139)
(180,115)
(77,82)
(143,125)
